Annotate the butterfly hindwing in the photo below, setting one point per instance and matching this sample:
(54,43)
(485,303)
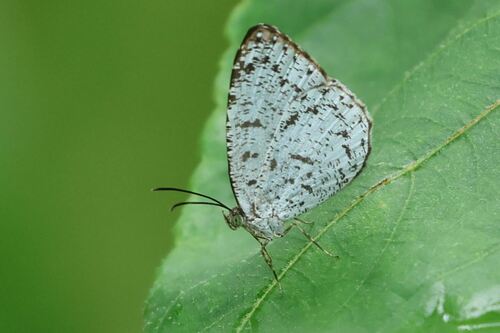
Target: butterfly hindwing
(320,153)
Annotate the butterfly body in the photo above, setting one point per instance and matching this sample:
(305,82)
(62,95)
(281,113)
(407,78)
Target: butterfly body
(264,230)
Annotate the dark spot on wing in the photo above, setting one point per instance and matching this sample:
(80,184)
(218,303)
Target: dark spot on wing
(307,188)
(255,123)
(333,106)
(296,88)
(273,164)
(340,117)
(291,121)
(347,151)
(252,182)
(245,156)
(348,105)
(309,174)
(301,158)
(283,82)
(343,134)
(249,68)
(313,109)
(275,68)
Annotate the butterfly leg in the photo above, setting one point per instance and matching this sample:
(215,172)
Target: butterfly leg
(309,237)
(269,262)
(302,221)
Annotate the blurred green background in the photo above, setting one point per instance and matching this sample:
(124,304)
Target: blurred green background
(100,101)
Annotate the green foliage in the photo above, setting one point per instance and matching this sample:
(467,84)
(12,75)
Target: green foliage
(417,232)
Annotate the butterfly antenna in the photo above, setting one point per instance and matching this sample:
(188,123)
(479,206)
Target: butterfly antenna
(196,203)
(174,189)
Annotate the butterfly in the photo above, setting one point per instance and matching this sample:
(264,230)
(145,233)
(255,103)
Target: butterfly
(295,137)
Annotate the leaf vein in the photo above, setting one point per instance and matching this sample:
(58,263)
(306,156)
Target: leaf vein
(417,67)
(411,191)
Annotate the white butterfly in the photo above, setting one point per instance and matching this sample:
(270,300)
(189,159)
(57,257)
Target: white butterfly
(295,136)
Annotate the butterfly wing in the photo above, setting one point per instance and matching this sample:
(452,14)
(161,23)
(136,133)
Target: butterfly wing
(321,152)
(273,134)
(268,74)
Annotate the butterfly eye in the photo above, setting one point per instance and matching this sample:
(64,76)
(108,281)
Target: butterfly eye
(233,219)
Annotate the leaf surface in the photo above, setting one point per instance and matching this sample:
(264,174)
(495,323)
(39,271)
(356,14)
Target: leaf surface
(417,232)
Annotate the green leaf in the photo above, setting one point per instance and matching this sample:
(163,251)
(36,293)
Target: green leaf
(417,232)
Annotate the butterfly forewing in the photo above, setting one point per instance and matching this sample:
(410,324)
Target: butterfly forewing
(269,72)
(294,137)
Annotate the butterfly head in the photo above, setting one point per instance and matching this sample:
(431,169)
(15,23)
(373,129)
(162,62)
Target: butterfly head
(234,218)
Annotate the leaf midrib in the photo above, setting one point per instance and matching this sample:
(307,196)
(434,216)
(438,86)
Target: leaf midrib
(411,191)
(387,180)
